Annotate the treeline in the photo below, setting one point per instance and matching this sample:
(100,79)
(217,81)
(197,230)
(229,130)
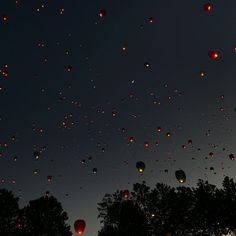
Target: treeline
(204,210)
(41,217)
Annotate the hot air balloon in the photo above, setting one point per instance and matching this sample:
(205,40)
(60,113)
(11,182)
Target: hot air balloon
(140,166)
(79,226)
(125,194)
(180,176)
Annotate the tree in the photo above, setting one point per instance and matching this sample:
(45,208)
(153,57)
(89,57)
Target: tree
(9,212)
(122,217)
(204,210)
(45,217)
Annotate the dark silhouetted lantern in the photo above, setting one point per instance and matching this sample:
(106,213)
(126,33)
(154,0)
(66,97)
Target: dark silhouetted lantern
(140,166)
(180,176)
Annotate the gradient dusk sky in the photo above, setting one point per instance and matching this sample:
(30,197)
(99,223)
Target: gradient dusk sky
(76,87)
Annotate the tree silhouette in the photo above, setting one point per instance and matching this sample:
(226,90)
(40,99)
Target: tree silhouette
(9,212)
(122,217)
(200,211)
(45,217)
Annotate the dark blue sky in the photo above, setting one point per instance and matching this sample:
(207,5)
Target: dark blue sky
(109,96)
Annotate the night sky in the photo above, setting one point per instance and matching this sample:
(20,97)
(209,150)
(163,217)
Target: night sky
(88,91)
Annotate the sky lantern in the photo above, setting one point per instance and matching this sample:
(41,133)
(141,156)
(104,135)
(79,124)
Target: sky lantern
(125,47)
(202,74)
(207,7)
(79,226)
(140,166)
(146,144)
(211,154)
(95,170)
(69,68)
(114,113)
(190,142)
(168,134)
(151,19)
(4,18)
(102,13)
(180,176)
(125,194)
(213,54)
(147,65)
(231,157)
(49,178)
(36,155)
(131,139)
(158,129)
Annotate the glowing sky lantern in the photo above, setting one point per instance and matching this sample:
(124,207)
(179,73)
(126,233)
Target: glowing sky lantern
(49,178)
(5,18)
(151,19)
(114,113)
(146,144)
(158,129)
(125,194)
(36,155)
(147,64)
(95,170)
(202,74)
(213,54)
(69,68)
(207,7)
(131,139)
(79,226)
(140,166)
(125,47)
(180,176)
(102,13)
(231,157)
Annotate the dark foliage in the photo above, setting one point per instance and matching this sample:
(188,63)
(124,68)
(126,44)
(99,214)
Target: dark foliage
(9,212)
(45,217)
(42,217)
(201,211)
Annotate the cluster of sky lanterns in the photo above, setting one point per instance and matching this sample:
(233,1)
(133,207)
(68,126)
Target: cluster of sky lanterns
(80,224)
